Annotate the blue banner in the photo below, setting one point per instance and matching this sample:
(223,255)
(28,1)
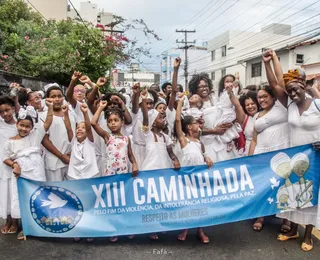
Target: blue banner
(163,200)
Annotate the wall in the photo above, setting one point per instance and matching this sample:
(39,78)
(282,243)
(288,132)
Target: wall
(50,9)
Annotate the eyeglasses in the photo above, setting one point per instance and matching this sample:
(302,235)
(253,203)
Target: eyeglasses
(202,86)
(79,91)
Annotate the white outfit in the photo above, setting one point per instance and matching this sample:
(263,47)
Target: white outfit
(192,154)
(26,152)
(83,163)
(305,129)
(193,111)
(157,156)
(248,133)
(56,170)
(228,116)
(214,147)
(273,130)
(6,131)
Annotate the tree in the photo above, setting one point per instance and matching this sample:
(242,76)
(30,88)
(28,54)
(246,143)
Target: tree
(52,50)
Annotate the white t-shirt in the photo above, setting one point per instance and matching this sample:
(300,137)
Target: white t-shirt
(83,163)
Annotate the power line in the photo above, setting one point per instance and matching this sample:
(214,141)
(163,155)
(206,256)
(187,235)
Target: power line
(37,10)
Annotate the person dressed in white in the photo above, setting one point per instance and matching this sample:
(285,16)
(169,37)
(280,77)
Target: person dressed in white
(22,152)
(304,119)
(7,129)
(57,140)
(271,130)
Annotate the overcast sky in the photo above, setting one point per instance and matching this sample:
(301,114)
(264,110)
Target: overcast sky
(208,17)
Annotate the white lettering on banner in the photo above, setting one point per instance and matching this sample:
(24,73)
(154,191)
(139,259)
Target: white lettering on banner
(168,194)
(213,183)
(245,178)
(135,191)
(112,198)
(233,172)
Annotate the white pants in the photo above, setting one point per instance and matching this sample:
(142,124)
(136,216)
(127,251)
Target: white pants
(57,175)
(5,197)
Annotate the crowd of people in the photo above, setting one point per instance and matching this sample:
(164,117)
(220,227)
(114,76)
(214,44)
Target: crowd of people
(50,135)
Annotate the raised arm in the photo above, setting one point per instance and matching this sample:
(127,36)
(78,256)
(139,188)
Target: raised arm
(135,168)
(253,143)
(144,108)
(94,122)
(126,113)
(241,115)
(49,118)
(67,123)
(279,92)
(84,109)
(46,142)
(135,98)
(173,95)
(181,137)
(95,91)
(74,79)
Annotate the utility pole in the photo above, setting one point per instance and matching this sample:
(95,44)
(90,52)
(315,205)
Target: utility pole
(186,47)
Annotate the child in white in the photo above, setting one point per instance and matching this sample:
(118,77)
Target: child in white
(83,163)
(22,152)
(195,105)
(7,129)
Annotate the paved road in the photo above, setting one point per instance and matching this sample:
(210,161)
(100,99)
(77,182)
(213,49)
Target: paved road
(234,241)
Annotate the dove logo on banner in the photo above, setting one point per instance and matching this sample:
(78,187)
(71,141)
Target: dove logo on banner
(55,209)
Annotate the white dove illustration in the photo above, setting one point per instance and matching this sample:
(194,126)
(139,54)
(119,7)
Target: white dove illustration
(270,200)
(53,202)
(274,182)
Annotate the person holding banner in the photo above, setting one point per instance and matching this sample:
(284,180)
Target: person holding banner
(23,154)
(271,132)
(304,119)
(193,152)
(8,129)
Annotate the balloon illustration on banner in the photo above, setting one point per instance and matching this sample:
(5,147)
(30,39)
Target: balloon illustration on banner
(55,209)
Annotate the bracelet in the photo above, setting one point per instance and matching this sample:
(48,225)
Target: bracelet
(96,85)
(49,114)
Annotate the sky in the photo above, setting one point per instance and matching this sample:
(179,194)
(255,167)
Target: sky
(208,17)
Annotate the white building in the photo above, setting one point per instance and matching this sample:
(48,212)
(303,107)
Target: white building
(225,50)
(305,55)
(129,78)
(50,9)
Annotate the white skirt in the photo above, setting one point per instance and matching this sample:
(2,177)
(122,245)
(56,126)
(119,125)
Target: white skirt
(5,198)
(307,216)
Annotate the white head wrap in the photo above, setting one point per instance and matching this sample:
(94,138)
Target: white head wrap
(299,157)
(152,114)
(279,159)
(28,111)
(46,87)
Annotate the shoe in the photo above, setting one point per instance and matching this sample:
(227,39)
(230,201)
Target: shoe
(282,237)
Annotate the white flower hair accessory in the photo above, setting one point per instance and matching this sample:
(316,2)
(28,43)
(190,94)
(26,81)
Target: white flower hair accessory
(28,111)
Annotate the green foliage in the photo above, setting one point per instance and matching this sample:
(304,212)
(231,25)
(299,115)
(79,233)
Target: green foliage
(52,50)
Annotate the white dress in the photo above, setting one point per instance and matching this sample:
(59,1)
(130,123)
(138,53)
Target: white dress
(157,156)
(192,154)
(305,129)
(27,153)
(248,133)
(83,163)
(6,131)
(273,130)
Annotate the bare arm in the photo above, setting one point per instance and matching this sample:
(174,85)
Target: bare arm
(135,98)
(253,143)
(94,122)
(76,75)
(135,168)
(176,163)
(180,134)
(144,108)
(84,109)
(93,94)
(52,149)
(241,115)
(47,123)
(174,84)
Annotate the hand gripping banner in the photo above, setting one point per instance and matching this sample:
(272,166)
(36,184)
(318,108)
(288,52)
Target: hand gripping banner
(163,200)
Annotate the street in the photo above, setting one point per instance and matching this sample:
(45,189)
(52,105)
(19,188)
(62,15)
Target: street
(230,242)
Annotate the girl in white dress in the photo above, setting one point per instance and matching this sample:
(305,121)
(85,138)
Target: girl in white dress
(7,129)
(22,153)
(304,122)
(271,130)
(118,146)
(159,154)
(193,152)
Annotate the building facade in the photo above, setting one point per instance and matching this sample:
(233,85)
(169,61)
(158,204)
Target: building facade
(57,9)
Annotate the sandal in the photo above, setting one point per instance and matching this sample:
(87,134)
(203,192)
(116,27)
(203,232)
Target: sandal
(203,238)
(131,236)
(13,229)
(286,226)
(5,229)
(90,240)
(21,236)
(76,239)
(258,225)
(113,239)
(282,237)
(305,247)
(153,236)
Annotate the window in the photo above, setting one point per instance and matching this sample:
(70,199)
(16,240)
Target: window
(256,69)
(299,58)
(213,55)
(223,72)
(224,51)
(213,75)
